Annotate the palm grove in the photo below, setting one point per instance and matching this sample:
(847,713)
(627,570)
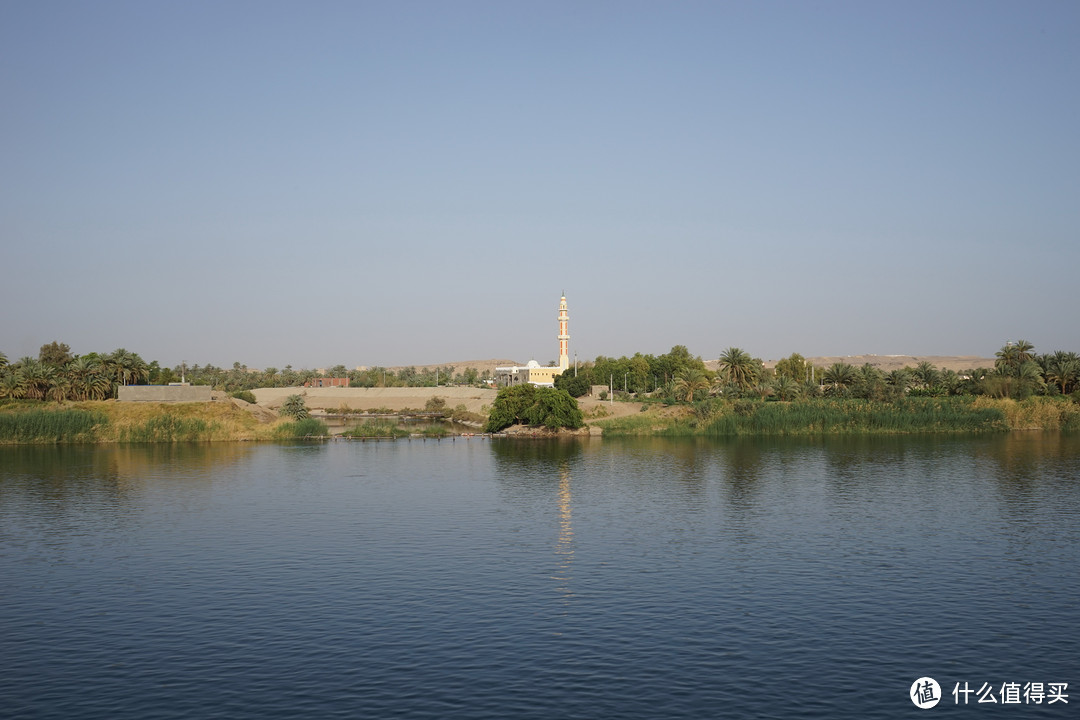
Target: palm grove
(674,377)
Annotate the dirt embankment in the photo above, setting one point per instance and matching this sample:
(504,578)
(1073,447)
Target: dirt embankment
(477,400)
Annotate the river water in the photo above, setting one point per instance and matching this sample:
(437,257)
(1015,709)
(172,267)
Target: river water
(477,578)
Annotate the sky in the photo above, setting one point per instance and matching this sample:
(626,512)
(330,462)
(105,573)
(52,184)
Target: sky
(393,183)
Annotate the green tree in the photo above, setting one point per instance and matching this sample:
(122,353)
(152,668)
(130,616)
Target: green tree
(295,408)
(839,378)
(12,385)
(926,375)
(786,387)
(898,381)
(738,368)
(1063,370)
(575,385)
(125,367)
(794,366)
(870,383)
(88,379)
(1012,356)
(55,353)
(535,406)
(688,382)
(37,377)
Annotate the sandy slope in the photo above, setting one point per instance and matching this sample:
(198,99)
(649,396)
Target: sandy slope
(474,399)
(895,362)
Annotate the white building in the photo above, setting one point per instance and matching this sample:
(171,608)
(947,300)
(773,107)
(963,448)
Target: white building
(535,373)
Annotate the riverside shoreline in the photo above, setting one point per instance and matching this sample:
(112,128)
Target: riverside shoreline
(231,420)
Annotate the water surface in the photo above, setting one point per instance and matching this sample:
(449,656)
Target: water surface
(495,579)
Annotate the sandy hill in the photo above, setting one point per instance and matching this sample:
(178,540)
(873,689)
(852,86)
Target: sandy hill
(888,363)
(460,366)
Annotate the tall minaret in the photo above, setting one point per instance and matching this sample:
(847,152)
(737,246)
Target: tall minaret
(564,336)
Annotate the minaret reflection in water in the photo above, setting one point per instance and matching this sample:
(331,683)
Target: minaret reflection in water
(564,545)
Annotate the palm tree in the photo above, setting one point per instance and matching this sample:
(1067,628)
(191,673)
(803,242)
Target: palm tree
(37,375)
(737,367)
(126,367)
(786,388)
(295,407)
(840,376)
(1063,369)
(899,380)
(926,374)
(60,389)
(3,360)
(1023,351)
(88,379)
(949,381)
(12,385)
(689,381)
(1013,355)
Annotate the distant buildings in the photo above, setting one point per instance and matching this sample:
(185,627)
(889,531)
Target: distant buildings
(533,372)
(327,382)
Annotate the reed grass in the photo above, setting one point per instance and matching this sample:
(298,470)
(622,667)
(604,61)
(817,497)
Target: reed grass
(1036,413)
(820,417)
(376,429)
(43,426)
(299,429)
(167,428)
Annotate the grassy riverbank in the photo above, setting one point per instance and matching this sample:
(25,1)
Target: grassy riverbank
(718,418)
(30,422)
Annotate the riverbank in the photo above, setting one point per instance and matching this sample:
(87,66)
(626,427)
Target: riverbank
(228,420)
(962,414)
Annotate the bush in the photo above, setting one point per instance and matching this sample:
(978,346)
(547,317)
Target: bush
(306,428)
(245,395)
(575,385)
(295,408)
(535,406)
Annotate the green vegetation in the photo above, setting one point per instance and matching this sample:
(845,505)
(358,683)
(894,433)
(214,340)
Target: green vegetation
(534,406)
(720,418)
(50,426)
(294,407)
(575,385)
(305,428)
(376,429)
(57,397)
(167,428)
(435,430)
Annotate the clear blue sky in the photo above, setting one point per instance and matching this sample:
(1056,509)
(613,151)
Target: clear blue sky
(383,183)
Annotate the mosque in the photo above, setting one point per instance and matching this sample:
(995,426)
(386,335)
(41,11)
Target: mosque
(533,372)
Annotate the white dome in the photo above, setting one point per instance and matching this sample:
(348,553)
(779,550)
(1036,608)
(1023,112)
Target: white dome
(532,364)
